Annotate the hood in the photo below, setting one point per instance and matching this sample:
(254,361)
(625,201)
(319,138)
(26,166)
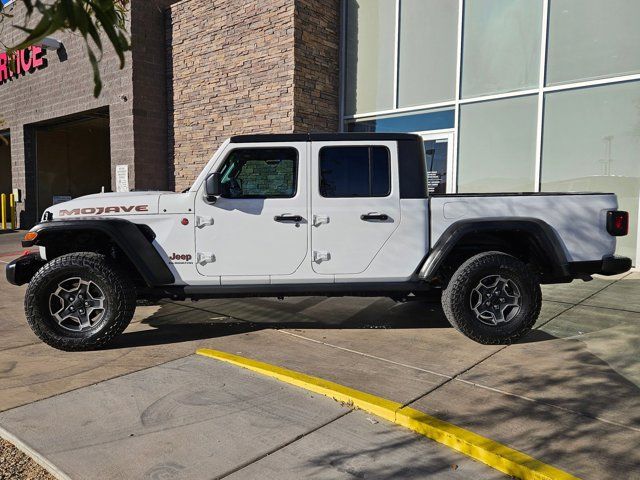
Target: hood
(108,204)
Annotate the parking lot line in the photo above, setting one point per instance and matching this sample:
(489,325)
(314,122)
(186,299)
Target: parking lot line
(482,449)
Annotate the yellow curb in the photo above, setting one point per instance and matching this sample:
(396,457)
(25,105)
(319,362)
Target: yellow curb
(482,449)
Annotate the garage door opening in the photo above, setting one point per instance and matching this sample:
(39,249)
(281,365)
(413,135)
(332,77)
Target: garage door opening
(5,162)
(73,158)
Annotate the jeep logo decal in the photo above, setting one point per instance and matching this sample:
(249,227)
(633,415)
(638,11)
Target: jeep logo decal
(103,210)
(180,258)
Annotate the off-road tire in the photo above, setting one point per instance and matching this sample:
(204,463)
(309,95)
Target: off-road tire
(119,293)
(456,299)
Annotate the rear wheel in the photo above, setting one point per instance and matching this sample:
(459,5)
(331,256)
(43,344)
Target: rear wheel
(79,301)
(493,298)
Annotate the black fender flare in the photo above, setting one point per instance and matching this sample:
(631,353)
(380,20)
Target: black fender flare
(128,236)
(544,237)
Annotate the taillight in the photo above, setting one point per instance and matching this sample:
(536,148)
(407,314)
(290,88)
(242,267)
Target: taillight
(618,223)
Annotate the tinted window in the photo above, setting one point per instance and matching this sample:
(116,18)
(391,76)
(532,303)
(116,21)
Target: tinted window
(260,173)
(354,172)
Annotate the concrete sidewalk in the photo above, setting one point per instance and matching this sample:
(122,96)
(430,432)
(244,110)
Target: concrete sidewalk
(198,418)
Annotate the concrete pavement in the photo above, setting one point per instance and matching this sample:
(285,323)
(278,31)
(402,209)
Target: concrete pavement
(194,418)
(568,394)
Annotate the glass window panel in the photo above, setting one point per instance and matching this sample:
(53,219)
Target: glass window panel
(428,47)
(354,172)
(410,122)
(591,142)
(436,153)
(498,145)
(380,174)
(591,39)
(501,46)
(369,55)
(260,173)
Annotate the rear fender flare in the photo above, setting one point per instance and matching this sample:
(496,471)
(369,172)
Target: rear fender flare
(542,234)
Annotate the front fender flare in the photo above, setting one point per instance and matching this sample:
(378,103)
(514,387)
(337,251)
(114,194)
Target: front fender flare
(125,234)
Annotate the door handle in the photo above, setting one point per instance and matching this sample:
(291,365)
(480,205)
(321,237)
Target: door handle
(288,218)
(374,216)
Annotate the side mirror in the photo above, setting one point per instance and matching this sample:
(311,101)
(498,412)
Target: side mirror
(212,187)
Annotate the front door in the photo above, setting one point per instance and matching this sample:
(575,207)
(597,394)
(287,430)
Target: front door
(439,153)
(355,204)
(258,226)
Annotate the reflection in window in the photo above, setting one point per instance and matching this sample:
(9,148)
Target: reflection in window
(498,145)
(260,173)
(436,154)
(590,39)
(354,172)
(501,46)
(591,142)
(428,45)
(369,55)
(409,122)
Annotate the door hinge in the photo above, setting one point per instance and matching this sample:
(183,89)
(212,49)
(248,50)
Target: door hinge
(320,219)
(205,257)
(319,257)
(203,221)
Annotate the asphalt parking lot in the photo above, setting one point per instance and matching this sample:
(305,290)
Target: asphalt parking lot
(568,394)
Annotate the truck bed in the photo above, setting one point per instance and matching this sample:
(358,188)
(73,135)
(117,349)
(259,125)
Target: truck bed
(571,215)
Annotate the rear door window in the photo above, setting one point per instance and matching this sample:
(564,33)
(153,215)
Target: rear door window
(354,172)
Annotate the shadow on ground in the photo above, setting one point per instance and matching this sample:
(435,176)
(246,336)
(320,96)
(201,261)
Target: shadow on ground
(173,323)
(220,318)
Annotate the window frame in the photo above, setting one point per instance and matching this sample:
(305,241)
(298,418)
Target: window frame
(296,171)
(369,148)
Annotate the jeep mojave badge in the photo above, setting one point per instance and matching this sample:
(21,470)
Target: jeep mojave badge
(313,214)
(102,210)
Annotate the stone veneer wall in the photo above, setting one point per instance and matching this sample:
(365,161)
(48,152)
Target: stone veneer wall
(247,66)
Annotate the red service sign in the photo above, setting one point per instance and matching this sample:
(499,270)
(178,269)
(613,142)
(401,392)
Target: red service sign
(21,63)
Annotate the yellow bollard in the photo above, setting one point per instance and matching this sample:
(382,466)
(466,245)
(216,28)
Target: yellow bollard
(3,209)
(12,211)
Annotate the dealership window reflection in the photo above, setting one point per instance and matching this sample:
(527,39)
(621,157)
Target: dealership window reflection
(498,145)
(591,142)
(369,55)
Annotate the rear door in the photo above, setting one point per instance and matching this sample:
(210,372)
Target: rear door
(355,203)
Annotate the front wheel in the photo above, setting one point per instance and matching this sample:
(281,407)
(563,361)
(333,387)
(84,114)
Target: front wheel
(493,298)
(79,301)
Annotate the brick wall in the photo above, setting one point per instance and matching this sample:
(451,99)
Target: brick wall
(63,88)
(247,66)
(135,97)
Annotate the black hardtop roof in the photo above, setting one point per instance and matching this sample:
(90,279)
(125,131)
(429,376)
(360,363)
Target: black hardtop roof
(322,137)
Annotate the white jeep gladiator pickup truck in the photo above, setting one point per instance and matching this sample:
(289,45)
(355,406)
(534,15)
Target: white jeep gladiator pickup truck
(312,214)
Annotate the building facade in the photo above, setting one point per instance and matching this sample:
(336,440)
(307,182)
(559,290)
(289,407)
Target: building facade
(60,141)
(509,95)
